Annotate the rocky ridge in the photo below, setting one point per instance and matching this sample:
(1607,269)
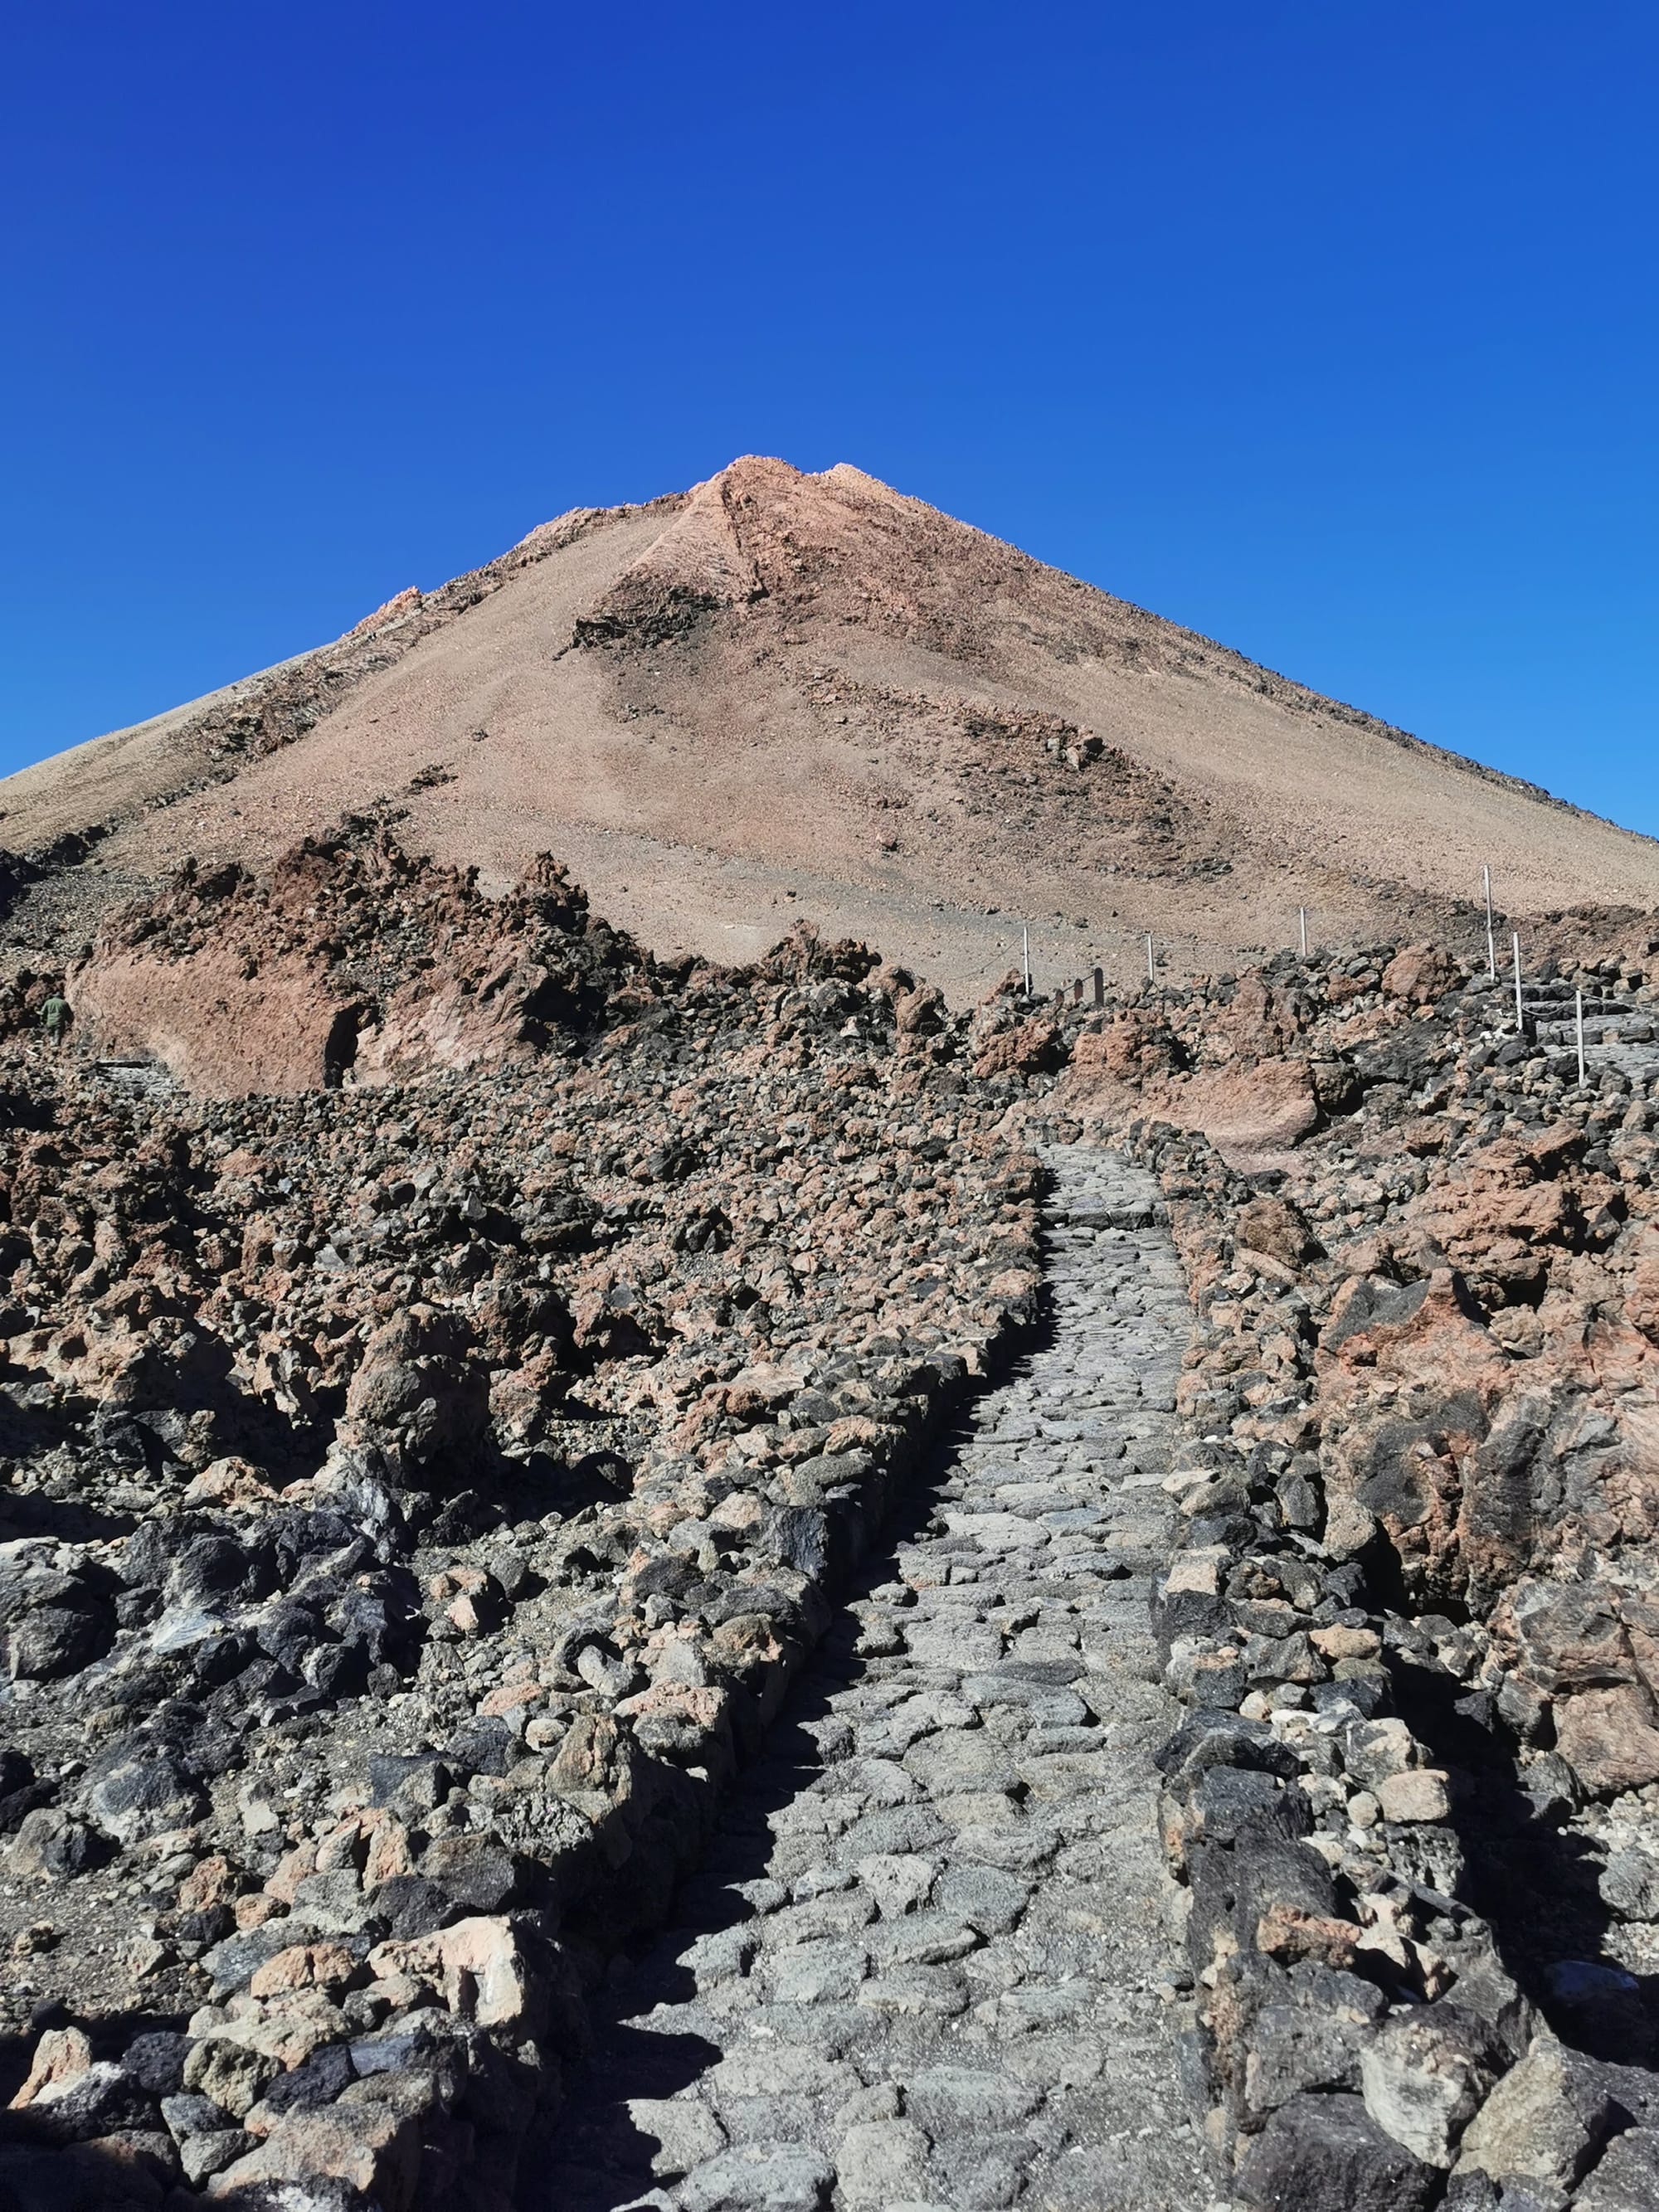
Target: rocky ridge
(786,686)
(346,959)
(208,742)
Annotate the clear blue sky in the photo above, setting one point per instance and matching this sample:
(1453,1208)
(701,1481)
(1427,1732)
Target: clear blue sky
(1326,327)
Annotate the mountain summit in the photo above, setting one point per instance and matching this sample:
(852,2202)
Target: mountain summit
(783,693)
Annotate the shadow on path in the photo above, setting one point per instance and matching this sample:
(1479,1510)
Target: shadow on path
(601,2157)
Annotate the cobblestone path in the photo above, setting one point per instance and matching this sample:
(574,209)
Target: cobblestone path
(927,1962)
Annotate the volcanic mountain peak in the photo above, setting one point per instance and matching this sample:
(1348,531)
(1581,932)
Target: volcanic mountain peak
(699,563)
(782,693)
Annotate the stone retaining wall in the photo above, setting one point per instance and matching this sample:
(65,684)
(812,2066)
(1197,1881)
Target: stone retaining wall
(1410,1608)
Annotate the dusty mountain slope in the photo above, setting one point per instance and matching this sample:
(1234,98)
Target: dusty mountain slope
(783,693)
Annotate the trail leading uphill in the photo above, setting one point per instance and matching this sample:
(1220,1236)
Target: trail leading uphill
(926,1962)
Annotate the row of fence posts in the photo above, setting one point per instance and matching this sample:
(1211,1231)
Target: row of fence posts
(1514,953)
(1302,930)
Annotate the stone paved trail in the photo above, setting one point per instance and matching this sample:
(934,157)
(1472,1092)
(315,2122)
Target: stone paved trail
(927,1964)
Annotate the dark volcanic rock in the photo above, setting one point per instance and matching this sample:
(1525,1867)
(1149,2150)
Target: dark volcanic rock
(430,1443)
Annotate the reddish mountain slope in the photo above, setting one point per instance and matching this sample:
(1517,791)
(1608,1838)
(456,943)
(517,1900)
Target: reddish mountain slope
(783,694)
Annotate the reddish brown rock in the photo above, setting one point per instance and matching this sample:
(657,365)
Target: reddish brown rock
(1032,1046)
(1132,1046)
(370,2144)
(1277,1227)
(1610,1738)
(1422,973)
(292,980)
(61,2056)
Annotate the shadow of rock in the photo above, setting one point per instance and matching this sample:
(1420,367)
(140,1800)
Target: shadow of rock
(1533,1880)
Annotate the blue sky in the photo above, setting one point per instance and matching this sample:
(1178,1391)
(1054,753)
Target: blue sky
(1325,327)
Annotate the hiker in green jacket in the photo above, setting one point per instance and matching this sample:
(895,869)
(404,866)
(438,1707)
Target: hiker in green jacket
(54,1017)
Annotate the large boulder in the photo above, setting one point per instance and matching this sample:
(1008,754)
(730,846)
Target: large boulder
(1327,2154)
(1543,2122)
(1422,973)
(420,1393)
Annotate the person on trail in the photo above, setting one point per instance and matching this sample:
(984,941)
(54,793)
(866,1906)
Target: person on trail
(54,1017)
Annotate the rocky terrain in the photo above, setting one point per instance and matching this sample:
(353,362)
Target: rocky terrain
(626,1581)
(418,1494)
(1410,1608)
(927,1959)
(781,690)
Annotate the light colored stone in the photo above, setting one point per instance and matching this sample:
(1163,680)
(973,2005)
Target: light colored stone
(815,1973)
(1626,2177)
(230,2073)
(1345,1643)
(302,1966)
(953,2098)
(1543,2122)
(759,2178)
(686,2131)
(881,2163)
(898,1881)
(1419,1794)
(62,2055)
(1197,1572)
(1423,2082)
(478,1964)
(1609,1739)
